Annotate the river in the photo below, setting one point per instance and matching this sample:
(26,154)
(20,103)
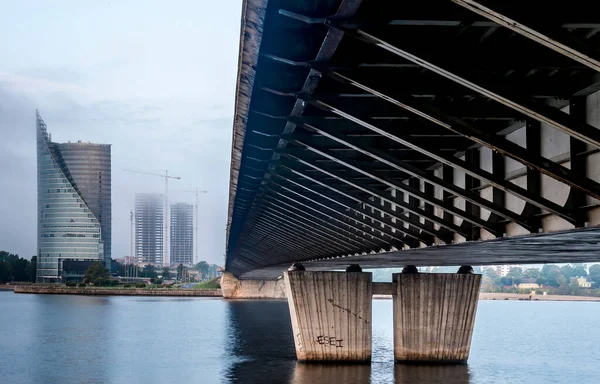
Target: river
(86,339)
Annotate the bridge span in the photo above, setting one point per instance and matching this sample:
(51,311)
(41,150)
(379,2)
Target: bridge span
(439,132)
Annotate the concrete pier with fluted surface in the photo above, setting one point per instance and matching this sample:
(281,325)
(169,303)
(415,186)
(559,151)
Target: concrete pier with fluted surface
(434,315)
(331,315)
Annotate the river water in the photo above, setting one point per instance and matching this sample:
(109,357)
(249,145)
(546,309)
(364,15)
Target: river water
(86,339)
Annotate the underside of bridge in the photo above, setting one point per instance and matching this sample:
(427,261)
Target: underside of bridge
(435,132)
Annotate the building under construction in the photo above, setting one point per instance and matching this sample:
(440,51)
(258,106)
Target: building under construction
(149,214)
(182,234)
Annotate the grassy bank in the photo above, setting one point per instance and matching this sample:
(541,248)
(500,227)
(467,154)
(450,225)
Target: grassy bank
(210,284)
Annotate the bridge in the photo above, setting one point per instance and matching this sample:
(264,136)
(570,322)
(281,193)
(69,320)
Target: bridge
(440,132)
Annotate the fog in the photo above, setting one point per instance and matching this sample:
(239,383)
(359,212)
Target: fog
(155,79)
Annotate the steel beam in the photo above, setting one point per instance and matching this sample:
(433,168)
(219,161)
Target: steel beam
(289,240)
(360,232)
(340,230)
(332,39)
(392,200)
(485,138)
(414,235)
(282,228)
(544,114)
(456,163)
(529,33)
(329,241)
(316,221)
(384,158)
(397,215)
(367,228)
(577,199)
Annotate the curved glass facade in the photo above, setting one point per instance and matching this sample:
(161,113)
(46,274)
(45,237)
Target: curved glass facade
(67,227)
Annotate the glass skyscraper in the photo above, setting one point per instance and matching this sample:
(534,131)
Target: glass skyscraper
(74,204)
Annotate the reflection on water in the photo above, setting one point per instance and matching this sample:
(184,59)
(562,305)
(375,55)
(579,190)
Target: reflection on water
(431,374)
(259,341)
(331,373)
(86,339)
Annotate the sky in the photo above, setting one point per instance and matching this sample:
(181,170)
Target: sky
(156,79)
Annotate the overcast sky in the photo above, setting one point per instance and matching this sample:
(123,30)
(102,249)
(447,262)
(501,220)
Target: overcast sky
(156,79)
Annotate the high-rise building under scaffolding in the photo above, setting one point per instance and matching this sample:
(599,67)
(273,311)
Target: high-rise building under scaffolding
(149,216)
(182,234)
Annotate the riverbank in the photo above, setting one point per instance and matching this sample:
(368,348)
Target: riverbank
(518,296)
(90,291)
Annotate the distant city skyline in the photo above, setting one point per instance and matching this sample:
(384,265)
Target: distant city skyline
(158,85)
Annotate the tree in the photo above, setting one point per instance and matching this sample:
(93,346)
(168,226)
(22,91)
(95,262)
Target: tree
(202,267)
(149,271)
(515,273)
(165,273)
(561,281)
(567,271)
(491,272)
(579,270)
(487,284)
(96,271)
(595,273)
(14,268)
(5,272)
(32,269)
(531,273)
(117,268)
(180,272)
(550,274)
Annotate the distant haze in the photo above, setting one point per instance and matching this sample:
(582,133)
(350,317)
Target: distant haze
(155,79)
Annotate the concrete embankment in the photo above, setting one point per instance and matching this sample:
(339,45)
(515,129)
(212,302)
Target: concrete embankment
(50,290)
(519,296)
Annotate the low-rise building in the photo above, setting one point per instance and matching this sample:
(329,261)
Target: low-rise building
(581,282)
(528,284)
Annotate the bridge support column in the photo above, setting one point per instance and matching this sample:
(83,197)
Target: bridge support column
(331,315)
(434,316)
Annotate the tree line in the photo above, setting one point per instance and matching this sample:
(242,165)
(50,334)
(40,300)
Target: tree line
(15,268)
(556,279)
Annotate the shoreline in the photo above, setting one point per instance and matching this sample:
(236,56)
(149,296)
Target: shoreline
(487,296)
(49,290)
(166,292)
(525,297)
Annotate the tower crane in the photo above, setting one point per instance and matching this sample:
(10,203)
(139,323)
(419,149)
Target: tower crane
(196,191)
(166,214)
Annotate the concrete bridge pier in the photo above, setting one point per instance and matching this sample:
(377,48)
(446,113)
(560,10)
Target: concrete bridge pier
(331,315)
(434,314)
